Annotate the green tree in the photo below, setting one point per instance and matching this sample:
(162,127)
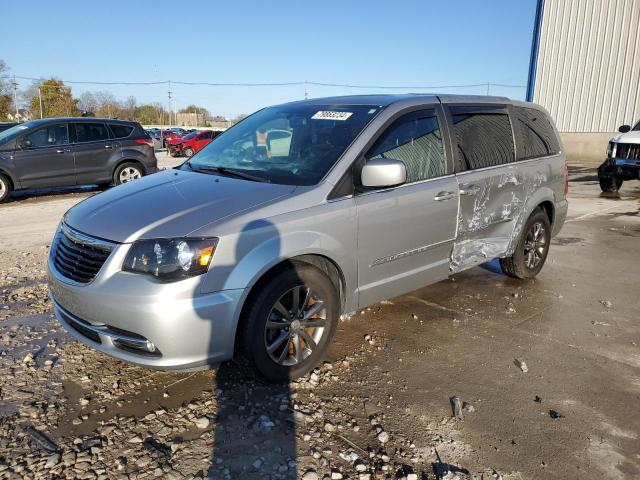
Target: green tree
(55,99)
(6,97)
(195,109)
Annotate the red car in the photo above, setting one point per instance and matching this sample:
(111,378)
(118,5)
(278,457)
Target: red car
(191,143)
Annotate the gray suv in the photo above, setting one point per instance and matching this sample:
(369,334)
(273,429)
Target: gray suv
(299,214)
(73,151)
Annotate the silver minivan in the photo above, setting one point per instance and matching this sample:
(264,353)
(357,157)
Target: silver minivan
(299,214)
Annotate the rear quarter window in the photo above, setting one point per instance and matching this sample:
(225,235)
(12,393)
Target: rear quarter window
(483,137)
(120,131)
(534,133)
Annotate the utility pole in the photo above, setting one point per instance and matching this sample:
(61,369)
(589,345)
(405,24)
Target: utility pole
(169,95)
(488,86)
(306,93)
(40,95)
(14,84)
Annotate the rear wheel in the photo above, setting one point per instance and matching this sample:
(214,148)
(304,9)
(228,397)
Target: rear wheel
(532,249)
(188,152)
(5,188)
(127,172)
(289,324)
(610,183)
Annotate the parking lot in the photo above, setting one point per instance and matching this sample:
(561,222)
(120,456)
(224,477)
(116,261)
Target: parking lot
(381,404)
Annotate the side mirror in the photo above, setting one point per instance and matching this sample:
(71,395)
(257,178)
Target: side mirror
(624,128)
(23,144)
(383,172)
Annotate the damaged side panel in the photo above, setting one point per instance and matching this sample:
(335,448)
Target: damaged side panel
(494,205)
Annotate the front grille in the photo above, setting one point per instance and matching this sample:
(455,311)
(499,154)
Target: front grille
(77,256)
(628,151)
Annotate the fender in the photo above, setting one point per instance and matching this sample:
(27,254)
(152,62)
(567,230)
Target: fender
(534,196)
(131,155)
(275,248)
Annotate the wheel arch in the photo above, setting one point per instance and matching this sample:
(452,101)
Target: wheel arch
(548,207)
(122,161)
(323,263)
(12,182)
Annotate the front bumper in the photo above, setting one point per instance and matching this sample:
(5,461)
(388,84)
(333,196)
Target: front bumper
(119,312)
(621,168)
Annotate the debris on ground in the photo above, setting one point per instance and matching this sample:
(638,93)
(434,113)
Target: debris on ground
(521,365)
(456,407)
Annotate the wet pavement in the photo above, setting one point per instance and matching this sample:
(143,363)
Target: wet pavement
(380,407)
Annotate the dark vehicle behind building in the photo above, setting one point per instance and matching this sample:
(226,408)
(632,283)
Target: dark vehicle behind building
(73,151)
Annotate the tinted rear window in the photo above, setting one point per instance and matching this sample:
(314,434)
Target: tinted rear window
(483,138)
(534,134)
(120,131)
(91,132)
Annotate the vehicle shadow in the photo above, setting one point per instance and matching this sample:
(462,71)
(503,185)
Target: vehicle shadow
(254,430)
(37,193)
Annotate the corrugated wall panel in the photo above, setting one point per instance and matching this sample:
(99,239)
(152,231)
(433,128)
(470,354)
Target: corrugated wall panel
(588,69)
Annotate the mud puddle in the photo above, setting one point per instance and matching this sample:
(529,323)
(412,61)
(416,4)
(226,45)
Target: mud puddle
(157,390)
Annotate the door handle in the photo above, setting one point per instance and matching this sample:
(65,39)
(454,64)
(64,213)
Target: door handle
(469,190)
(108,146)
(59,151)
(442,196)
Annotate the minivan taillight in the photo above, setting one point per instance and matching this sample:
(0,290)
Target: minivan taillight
(145,141)
(566,178)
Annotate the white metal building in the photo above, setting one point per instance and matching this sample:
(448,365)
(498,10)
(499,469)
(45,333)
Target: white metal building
(585,63)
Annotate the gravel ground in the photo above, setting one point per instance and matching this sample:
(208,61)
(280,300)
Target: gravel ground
(545,375)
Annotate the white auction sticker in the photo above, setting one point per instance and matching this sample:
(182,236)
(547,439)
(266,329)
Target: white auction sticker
(328,115)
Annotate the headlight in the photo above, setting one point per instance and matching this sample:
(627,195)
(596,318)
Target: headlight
(611,150)
(171,259)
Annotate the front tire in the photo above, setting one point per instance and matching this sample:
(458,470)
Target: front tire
(188,152)
(289,324)
(610,183)
(531,252)
(5,188)
(127,172)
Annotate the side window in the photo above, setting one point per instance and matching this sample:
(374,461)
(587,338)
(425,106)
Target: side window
(91,132)
(415,139)
(120,131)
(534,134)
(483,137)
(48,136)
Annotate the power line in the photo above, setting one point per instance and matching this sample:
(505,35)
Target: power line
(283,84)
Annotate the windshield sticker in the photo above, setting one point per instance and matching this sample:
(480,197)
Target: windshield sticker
(328,115)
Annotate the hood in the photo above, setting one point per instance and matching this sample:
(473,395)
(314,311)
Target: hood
(172,203)
(175,141)
(630,137)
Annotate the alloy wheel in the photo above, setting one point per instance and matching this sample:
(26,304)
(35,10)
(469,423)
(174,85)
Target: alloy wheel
(129,173)
(295,326)
(3,188)
(535,245)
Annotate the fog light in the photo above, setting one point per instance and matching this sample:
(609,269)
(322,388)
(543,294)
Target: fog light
(150,346)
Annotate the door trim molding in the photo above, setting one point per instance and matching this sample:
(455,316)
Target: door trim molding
(408,253)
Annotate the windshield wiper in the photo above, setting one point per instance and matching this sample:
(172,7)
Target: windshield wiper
(230,172)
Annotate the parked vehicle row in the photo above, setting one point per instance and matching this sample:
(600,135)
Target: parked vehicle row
(303,212)
(73,151)
(623,159)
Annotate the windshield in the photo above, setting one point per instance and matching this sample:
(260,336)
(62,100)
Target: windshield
(13,132)
(289,144)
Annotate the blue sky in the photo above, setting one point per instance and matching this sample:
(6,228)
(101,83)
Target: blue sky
(371,42)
